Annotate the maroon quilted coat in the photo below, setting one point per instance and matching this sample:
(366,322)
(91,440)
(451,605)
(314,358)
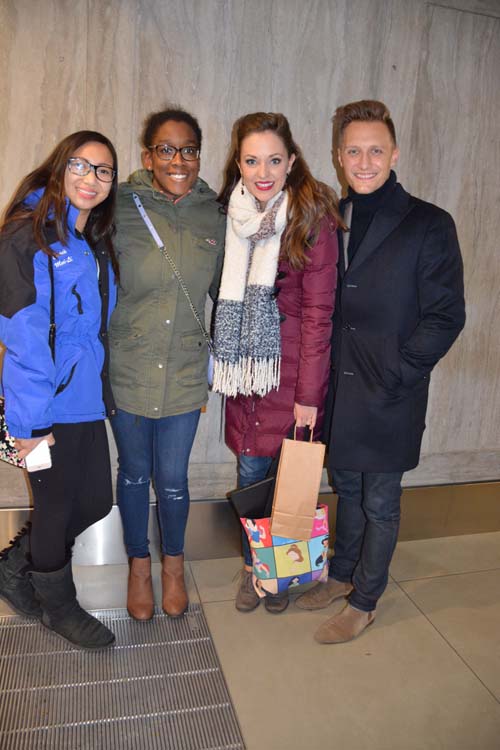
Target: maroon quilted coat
(257,425)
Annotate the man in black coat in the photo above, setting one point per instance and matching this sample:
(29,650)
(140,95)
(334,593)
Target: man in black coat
(399,308)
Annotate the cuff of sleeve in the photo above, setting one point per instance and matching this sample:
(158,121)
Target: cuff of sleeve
(41,432)
(305,398)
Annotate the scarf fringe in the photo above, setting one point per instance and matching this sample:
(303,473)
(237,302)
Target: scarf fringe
(247,376)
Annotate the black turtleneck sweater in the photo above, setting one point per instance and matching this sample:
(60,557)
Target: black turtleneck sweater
(364,208)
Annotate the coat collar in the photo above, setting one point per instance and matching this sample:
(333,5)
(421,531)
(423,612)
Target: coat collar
(395,208)
(72,213)
(142,180)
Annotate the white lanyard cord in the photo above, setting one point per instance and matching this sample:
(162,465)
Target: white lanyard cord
(163,250)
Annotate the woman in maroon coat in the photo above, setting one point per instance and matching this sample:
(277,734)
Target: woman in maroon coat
(274,314)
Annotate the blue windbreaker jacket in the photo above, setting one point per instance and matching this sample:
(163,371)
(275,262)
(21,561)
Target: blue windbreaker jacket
(39,392)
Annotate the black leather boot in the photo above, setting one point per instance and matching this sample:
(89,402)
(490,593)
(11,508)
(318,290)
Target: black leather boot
(15,584)
(62,613)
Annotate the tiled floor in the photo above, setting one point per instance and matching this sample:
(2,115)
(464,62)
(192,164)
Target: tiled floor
(425,676)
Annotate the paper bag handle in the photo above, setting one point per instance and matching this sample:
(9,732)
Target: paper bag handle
(311,433)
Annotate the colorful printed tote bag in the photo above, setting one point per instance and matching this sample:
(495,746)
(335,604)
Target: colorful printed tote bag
(280,563)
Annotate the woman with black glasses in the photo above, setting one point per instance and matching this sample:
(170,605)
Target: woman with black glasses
(57,268)
(170,235)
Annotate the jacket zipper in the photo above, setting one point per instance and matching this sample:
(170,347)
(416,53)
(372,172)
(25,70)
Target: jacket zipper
(60,388)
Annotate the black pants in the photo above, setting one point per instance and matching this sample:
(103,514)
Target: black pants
(72,495)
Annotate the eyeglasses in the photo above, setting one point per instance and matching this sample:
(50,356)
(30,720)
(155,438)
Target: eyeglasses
(167,153)
(82,167)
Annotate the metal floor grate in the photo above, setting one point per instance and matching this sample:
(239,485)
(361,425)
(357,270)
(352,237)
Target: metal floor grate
(160,687)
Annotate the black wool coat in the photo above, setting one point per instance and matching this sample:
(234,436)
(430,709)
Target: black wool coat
(399,308)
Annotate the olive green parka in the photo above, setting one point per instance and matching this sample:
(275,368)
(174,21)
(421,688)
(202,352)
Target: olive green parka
(159,357)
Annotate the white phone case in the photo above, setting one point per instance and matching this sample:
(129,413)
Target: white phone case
(39,458)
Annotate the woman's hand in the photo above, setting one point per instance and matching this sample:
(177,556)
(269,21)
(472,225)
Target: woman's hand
(305,416)
(26,445)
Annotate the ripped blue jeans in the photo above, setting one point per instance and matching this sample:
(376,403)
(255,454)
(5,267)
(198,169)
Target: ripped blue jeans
(157,449)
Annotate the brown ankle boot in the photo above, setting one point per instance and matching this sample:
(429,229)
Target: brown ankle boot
(140,602)
(175,599)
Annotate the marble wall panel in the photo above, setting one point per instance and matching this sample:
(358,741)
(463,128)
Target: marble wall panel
(112,76)
(329,53)
(456,143)
(44,58)
(488,8)
(101,64)
(211,58)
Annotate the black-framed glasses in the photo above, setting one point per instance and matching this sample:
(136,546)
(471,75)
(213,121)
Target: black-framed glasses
(167,153)
(81,167)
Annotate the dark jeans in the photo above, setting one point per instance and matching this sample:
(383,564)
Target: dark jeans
(367,528)
(158,448)
(251,469)
(72,495)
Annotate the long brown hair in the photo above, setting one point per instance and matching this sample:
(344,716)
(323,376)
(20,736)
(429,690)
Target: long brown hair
(309,201)
(51,208)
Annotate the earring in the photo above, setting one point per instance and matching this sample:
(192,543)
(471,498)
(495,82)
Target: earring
(242,186)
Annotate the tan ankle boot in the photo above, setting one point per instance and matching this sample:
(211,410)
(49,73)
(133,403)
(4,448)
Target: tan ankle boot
(140,602)
(344,626)
(175,599)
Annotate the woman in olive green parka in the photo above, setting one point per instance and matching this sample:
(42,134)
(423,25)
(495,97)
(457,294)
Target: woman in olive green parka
(158,352)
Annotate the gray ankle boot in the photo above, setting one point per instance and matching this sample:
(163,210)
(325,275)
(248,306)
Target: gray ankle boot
(246,598)
(62,613)
(15,584)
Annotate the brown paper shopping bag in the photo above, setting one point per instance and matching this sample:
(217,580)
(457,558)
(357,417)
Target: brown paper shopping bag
(297,488)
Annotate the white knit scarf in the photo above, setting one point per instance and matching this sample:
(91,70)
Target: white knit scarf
(247,342)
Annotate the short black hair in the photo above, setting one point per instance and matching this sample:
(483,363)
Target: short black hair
(171,112)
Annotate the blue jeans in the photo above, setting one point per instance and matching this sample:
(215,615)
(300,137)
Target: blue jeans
(368,514)
(251,469)
(158,449)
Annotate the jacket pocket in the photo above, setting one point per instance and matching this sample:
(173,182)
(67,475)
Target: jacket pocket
(207,255)
(192,342)
(64,384)
(192,368)
(392,362)
(124,339)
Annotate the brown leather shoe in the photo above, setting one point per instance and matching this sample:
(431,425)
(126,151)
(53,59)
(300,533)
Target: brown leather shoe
(276,603)
(140,602)
(344,626)
(323,594)
(175,599)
